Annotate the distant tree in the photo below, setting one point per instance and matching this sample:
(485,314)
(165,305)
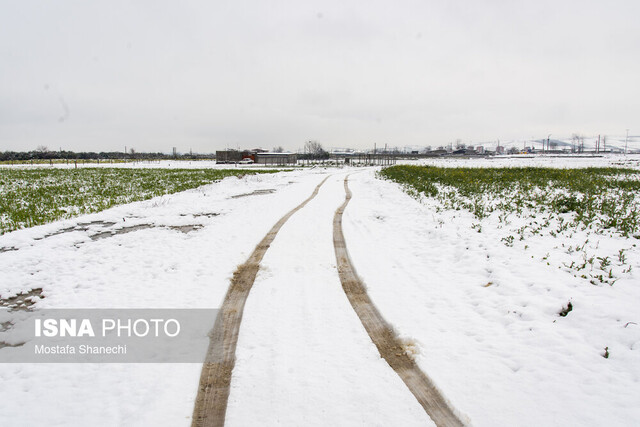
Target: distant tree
(460,145)
(42,149)
(512,150)
(315,150)
(575,142)
(278,149)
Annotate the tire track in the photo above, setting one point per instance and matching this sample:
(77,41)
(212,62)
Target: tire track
(381,333)
(213,392)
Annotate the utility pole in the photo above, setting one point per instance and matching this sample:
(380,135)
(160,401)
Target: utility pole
(548,136)
(626,139)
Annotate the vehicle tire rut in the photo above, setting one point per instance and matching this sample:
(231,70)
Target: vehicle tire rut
(381,333)
(215,380)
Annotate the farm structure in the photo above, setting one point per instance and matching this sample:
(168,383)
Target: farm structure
(232,156)
(258,156)
(276,158)
(370,159)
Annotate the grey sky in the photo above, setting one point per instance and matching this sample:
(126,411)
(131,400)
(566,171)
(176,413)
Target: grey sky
(99,75)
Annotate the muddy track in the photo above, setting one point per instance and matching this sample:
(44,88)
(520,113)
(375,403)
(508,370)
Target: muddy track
(383,336)
(215,379)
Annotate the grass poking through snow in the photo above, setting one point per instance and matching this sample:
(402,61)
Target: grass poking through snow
(30,197)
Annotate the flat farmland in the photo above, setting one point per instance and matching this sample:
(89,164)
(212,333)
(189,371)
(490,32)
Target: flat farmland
(511,284)
(36,196)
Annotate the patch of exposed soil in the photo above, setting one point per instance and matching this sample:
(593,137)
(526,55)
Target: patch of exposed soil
(100,223)
(255,193)
(81,226)
(4,344)
(123,230)
(186,228)
(5,326)
(206,214)
(23,301)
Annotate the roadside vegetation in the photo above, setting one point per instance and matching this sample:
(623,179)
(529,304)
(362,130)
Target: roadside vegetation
(577,205)
(30,197)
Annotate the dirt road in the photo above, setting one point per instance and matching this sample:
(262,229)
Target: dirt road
(382,335)
(302,302)
(213,392)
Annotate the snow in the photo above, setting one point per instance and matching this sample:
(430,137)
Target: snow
(142,164)
(150,268)
(483,316)
(304,358)
(486,319)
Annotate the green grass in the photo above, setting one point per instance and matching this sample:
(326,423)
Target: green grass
(65,161)
(564,211)
(598,198)
(30,197)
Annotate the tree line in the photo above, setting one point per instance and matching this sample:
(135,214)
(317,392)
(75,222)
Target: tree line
(92,155)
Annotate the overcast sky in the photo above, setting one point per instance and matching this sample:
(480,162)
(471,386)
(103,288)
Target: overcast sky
(99,75)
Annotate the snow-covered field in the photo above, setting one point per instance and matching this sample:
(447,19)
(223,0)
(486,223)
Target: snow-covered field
(482,317)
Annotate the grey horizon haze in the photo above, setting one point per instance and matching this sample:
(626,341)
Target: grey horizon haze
(102,75)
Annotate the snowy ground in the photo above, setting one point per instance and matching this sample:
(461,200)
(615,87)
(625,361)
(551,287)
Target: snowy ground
(485,316)
(304,358)
(149,268)
(500,353)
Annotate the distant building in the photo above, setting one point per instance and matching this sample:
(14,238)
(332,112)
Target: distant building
(257,155)
(276,158)
(500,149)
(480,149)
(438,152)
(230,156)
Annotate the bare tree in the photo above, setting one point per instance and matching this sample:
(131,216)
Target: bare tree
(278,149)
(313,147)
(575,142)
(315,150)
(460,145)
(42,149)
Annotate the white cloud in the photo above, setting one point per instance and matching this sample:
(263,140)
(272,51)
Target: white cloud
(203,75)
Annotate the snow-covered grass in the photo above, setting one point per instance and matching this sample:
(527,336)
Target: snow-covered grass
(159,266)
(491,315)
(485,316)
(36,196)
(527,202)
